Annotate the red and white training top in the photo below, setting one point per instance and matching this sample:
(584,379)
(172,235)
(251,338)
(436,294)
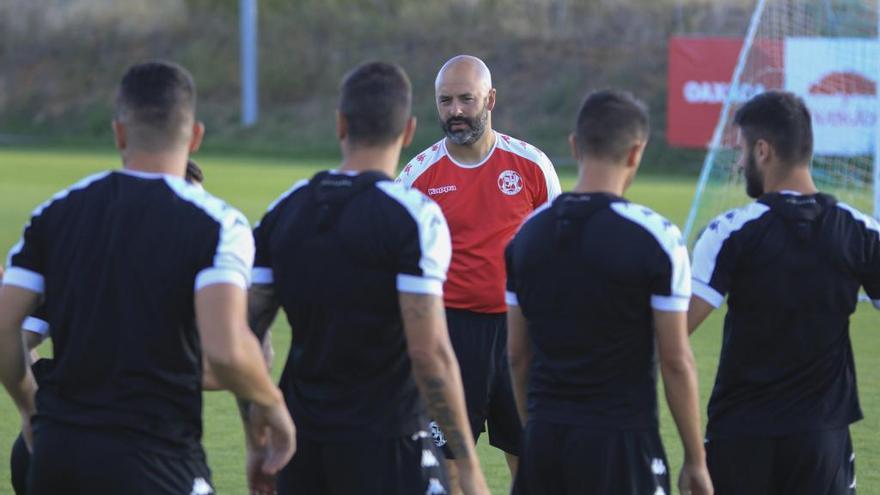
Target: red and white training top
(484,205)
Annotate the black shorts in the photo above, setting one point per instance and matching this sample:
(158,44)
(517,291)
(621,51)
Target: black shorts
(565,459)
(74,460)
(380,466)
(19,461)
(820,462)
(480,344)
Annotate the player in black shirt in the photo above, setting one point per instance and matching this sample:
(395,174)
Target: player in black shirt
(125,261)
(36,329)
(597,288)
(358,264)
(791,264)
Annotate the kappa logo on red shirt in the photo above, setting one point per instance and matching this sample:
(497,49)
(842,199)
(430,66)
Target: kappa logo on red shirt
(421,157)
(510,182)
(433,191)
(407,169)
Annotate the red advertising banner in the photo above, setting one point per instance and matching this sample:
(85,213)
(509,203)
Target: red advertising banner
(700,70)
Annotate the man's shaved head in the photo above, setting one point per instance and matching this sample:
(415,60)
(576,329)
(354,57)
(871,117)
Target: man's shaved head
(465,66)
(464,97)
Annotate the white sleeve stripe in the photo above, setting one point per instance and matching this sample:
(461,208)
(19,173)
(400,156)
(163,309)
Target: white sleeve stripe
(535,156)
(867,220)
(712,240)
(82,184)
(235,244)
(707,293)
(668,237)
(435,245)
(876,303)
(418,167)
(213,275)
(670,303)
(24,278)
(35,325)
(298,185)
(554,188)
(419,285)
(511,299)
(262,275)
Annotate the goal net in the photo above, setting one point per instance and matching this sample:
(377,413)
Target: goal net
(826,51)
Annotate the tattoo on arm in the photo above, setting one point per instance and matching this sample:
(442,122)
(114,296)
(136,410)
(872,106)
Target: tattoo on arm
(436,391)
(262,309)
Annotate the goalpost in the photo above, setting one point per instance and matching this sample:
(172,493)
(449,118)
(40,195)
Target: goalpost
(828,52)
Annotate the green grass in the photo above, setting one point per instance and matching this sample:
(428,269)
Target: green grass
(29,176)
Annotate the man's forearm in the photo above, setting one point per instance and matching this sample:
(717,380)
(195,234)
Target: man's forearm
(519,376)
(15,305)
(14,370)
(245,374)
(262,309)
(443,393)
(519,354)
(436,371)
(680,384)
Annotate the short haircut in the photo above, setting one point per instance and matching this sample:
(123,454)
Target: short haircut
(609,123)
(376,101)
(783,120)
(157,103)
(194,174)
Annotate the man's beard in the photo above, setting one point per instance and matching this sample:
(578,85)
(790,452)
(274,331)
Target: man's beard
(754,179)
(474,130)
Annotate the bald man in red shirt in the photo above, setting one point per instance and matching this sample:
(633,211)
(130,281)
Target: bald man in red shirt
(486,183)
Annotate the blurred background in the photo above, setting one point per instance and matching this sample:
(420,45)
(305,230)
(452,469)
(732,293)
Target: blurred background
(61,59)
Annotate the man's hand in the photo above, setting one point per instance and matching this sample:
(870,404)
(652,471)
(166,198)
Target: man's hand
(472,481)
(259,482)
(694,480)
(274,433)
(26,431)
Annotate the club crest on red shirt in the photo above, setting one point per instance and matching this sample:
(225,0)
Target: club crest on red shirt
(510,182)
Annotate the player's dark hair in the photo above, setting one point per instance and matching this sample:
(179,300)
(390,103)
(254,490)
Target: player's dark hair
(156,102)
(376,101)
(783,120)
(609,123)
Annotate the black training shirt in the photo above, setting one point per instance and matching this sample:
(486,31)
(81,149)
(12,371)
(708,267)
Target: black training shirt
(118,257)
(792,266)
(337,250)
(587,272)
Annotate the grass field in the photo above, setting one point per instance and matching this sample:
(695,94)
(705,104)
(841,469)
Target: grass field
(29,176)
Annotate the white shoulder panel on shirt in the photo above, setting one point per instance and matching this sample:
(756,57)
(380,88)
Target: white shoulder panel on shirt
(234,254)
(717,232)
(81,184)
(420,163)
(670,240)
(536,156)
(434,238)
(870,222)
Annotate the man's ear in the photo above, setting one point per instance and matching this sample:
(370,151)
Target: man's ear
(634,157)
(119,134)
(490,100)
(341,127)
(572,143)
(409,131)
(198,133)
(762,151)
